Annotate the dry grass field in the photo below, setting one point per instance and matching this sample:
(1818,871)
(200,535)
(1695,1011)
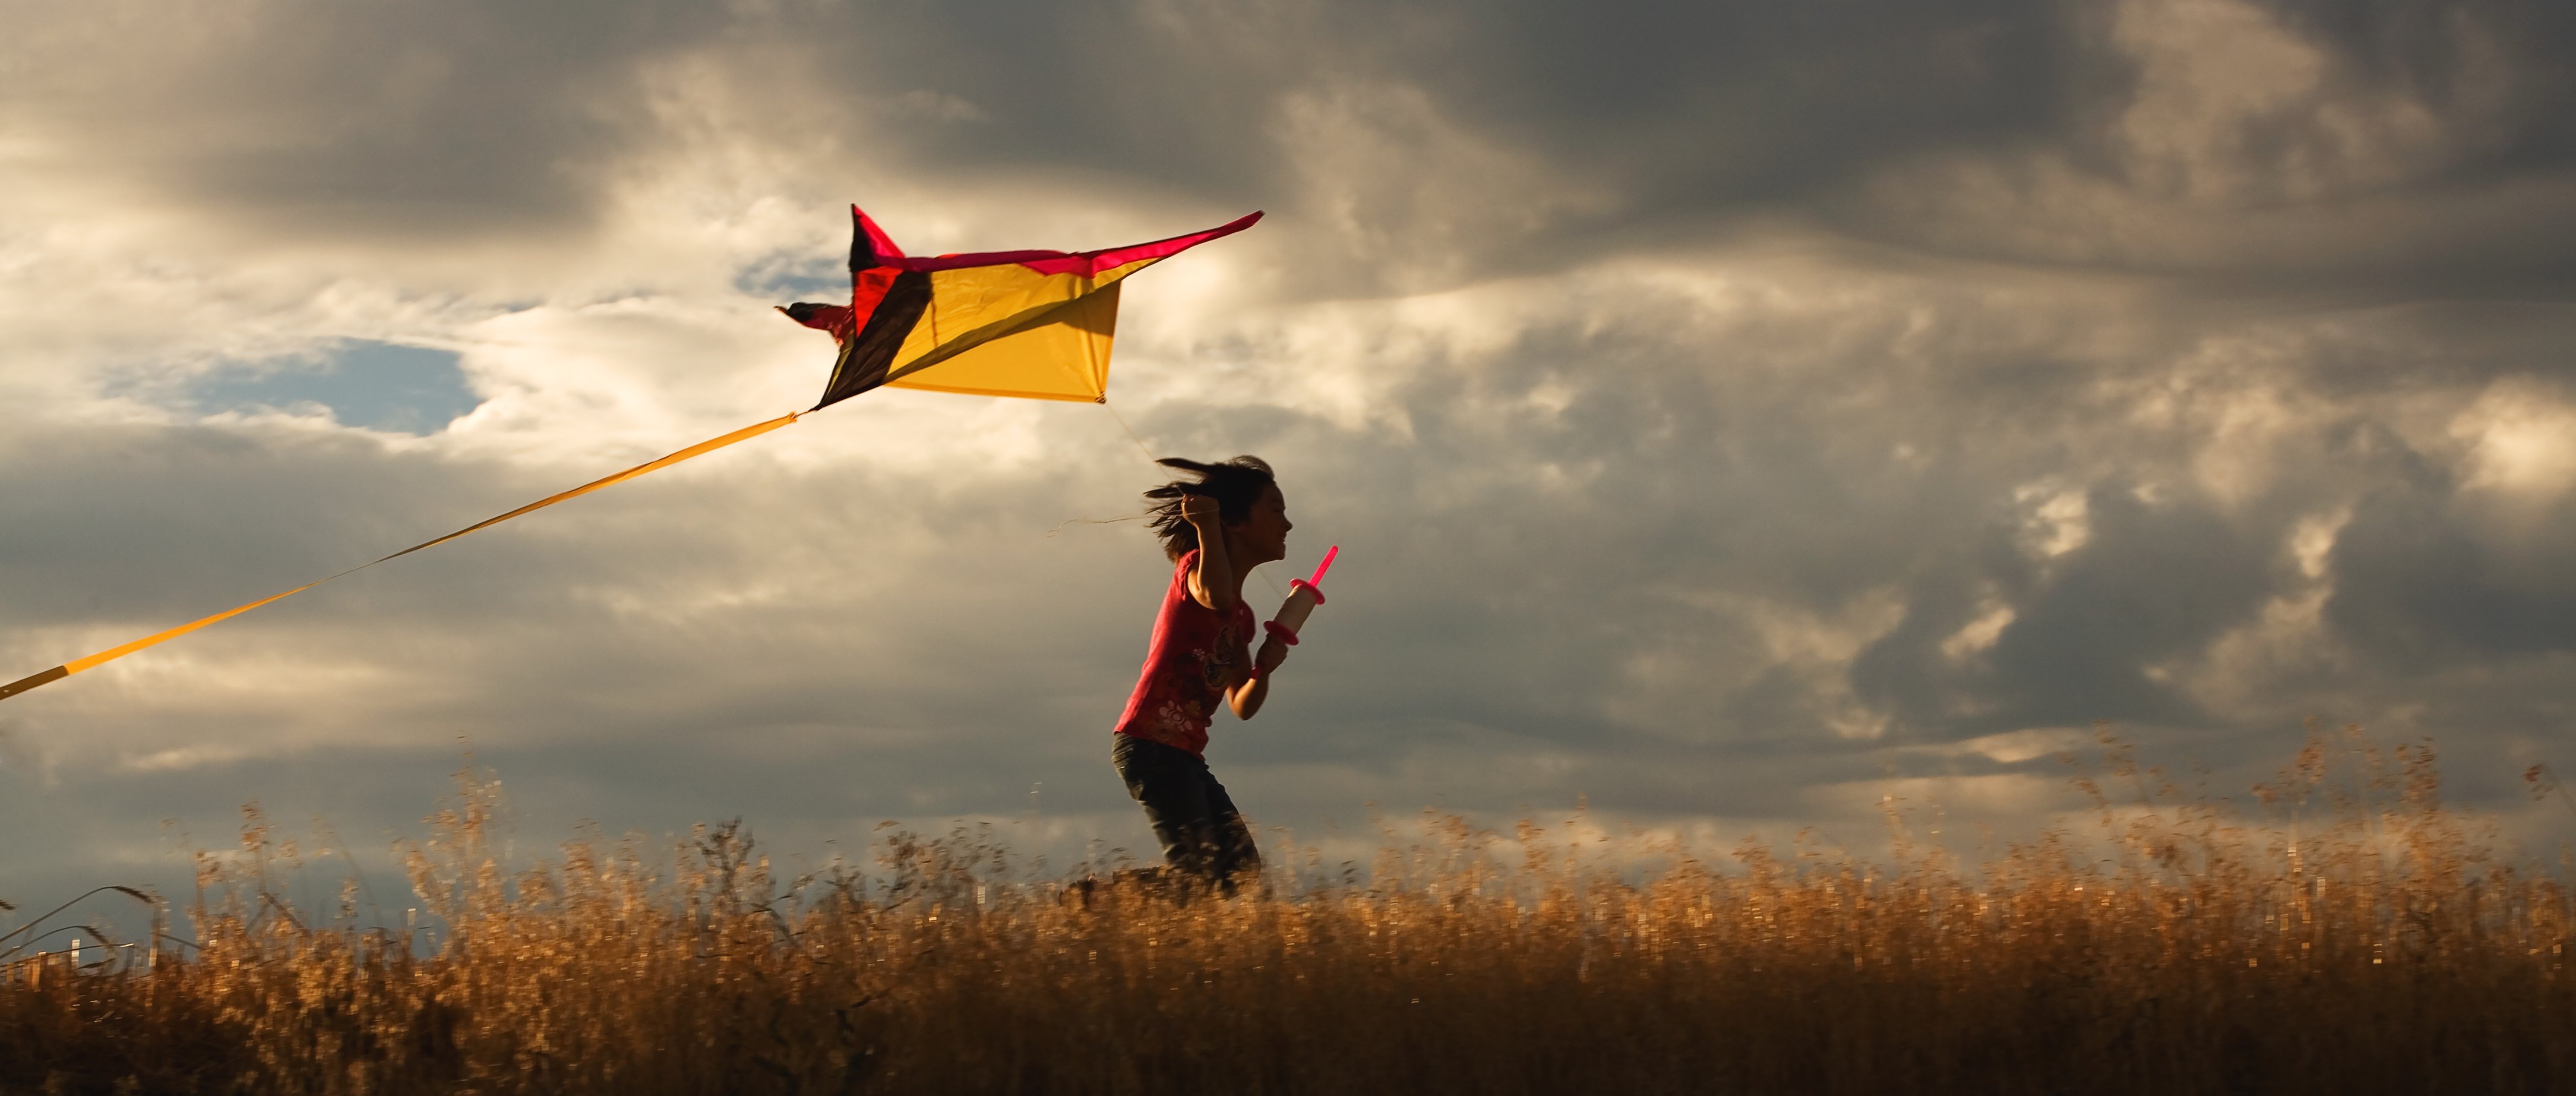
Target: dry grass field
(2357,937)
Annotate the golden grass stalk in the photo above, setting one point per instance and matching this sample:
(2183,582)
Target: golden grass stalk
(2362,941)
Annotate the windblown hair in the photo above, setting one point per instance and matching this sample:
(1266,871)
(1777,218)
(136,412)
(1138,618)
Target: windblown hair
(1235,485)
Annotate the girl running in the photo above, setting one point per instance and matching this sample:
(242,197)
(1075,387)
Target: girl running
(1215,528)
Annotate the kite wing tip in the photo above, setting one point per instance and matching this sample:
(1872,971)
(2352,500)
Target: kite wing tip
(867,235)
(1231,227)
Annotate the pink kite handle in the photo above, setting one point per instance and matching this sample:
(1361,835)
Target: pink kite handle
(1296,584)
(1320,568)
(1281,632)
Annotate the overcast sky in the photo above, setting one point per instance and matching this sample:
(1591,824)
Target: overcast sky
(1731,414)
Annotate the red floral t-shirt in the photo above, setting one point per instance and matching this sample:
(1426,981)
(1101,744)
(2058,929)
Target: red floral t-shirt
(1196,653)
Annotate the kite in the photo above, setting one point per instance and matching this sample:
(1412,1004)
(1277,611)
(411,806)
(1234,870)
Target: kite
(1033,324)
(1027,324)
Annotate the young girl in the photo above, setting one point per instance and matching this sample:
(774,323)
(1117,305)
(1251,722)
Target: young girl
(1215,529)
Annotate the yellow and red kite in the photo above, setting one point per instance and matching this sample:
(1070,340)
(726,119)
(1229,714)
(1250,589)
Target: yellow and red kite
(1030,324)
(1034,324)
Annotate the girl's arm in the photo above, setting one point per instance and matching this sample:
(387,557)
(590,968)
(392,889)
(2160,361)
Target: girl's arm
(1212,581)
(1248,692)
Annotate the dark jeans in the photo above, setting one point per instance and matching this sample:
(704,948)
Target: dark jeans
(1202,834)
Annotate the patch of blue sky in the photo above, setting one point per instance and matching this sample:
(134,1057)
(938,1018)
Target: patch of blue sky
(788,279)
(790,288)
(375,385)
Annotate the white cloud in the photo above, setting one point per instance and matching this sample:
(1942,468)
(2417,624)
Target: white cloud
(2053,519)
(2521,439)
(1980,633)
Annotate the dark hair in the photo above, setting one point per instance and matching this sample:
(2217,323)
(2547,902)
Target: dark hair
(1235,485)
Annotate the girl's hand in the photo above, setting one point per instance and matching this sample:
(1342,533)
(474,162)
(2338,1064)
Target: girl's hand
(1272,653)
(1199,510)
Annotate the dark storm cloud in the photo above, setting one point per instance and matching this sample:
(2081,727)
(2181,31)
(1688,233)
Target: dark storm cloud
(2426,579)
(2150,583)
(2514,53)
(1630,126)
(1676,108)
(400,120)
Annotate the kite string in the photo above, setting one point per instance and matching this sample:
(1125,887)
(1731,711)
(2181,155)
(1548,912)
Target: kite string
(1141,447)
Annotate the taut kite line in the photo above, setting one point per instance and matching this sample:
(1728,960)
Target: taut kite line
(1028,324)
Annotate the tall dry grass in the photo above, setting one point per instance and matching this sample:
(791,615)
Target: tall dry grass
(2361,939)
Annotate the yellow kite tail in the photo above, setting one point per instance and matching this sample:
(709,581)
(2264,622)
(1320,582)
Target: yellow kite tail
(113,653)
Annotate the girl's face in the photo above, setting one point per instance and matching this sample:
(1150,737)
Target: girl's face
(1262,537)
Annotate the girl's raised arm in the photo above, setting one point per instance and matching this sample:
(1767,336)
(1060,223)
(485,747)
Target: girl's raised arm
(1212,581)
